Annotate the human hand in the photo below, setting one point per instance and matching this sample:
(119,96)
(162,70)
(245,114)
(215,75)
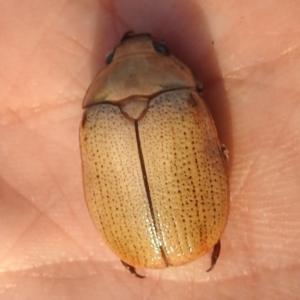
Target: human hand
(246,54)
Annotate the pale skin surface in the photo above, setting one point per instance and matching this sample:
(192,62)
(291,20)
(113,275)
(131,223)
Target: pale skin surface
(246,53)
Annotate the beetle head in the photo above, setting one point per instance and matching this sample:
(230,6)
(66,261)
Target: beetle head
(139,66)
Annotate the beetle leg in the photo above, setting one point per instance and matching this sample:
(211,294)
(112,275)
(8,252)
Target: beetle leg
(131,269)
(225,152)
(215,255)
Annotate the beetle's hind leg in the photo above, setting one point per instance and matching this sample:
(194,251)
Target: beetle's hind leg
(215,255)
(131,269)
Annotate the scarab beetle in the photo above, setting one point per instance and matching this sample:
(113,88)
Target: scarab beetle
(154,172)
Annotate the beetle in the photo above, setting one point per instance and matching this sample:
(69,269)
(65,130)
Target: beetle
(154,172)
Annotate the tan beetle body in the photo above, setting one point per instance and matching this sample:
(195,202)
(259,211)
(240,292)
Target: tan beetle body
(154,172)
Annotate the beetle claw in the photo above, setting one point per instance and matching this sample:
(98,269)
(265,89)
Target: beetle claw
(131,269)
(225,152)
(215,255)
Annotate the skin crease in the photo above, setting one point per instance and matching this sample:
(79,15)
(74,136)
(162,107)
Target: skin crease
(246,54)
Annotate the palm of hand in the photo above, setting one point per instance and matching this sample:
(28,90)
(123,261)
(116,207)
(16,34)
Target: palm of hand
(250,73)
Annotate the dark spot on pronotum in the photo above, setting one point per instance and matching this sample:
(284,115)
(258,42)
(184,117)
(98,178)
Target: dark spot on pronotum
(160,48)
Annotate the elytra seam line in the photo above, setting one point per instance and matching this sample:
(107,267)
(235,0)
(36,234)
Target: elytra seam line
(146,184)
